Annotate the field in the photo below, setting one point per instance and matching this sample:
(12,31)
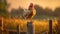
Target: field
(40,26)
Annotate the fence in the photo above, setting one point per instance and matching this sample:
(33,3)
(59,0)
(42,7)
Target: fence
(30,29)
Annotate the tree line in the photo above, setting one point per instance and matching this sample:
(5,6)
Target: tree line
(40,12)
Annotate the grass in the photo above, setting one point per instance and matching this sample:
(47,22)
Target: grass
(39,25)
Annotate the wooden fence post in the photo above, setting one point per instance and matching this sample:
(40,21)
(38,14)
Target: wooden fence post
(50,26)
(29,28)
(18,29)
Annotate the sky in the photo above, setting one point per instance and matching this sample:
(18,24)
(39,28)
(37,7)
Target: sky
(25,3)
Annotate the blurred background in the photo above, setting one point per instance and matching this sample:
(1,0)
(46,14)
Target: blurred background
(11,14)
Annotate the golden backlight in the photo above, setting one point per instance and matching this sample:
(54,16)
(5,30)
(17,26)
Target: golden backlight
(25,3)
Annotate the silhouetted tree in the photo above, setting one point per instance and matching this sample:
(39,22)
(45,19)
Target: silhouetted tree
(39,10)
(57,11)
(17,13)
(3,9)
(47,12)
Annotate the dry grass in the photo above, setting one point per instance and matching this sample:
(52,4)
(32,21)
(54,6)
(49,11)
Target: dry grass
(39,25)
(35,22)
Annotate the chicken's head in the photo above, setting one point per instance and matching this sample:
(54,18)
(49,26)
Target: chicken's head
(31,6)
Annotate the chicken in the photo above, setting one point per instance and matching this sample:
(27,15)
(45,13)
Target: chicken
(30,12)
